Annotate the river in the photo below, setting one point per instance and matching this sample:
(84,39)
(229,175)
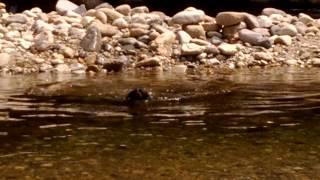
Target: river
(243,124)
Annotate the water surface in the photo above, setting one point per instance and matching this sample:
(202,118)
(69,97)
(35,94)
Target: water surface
(248,124)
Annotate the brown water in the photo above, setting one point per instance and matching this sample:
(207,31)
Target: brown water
(252,124)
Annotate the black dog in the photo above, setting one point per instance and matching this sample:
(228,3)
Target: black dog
(137,95)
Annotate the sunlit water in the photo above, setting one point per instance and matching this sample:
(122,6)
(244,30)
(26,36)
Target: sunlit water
(248,124)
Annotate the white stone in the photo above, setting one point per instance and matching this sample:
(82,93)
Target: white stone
(192,49)
(228,49)
(188,17)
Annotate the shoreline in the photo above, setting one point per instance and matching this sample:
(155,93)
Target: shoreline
(114,39)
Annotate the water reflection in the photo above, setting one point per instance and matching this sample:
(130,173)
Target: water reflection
(258,124)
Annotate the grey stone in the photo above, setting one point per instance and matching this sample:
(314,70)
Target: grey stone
(92,40)
(263,31)
(264,21)
(188,17)
(254,38)
(43,41)
(284,29)
(251,21)
(301,27)
(216,40)
(305,19)
(212,49)
(16,18)
(183,37)
(81,10)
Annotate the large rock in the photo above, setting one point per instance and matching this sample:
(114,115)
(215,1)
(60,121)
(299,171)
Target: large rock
(92,40)
(284,29)
(254,38)
(63,6)
(188,17)
(229,18)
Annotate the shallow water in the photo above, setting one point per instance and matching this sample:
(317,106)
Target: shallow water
(252,124)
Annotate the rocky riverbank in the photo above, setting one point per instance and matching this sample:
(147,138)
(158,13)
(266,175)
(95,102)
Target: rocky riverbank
(112,39)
